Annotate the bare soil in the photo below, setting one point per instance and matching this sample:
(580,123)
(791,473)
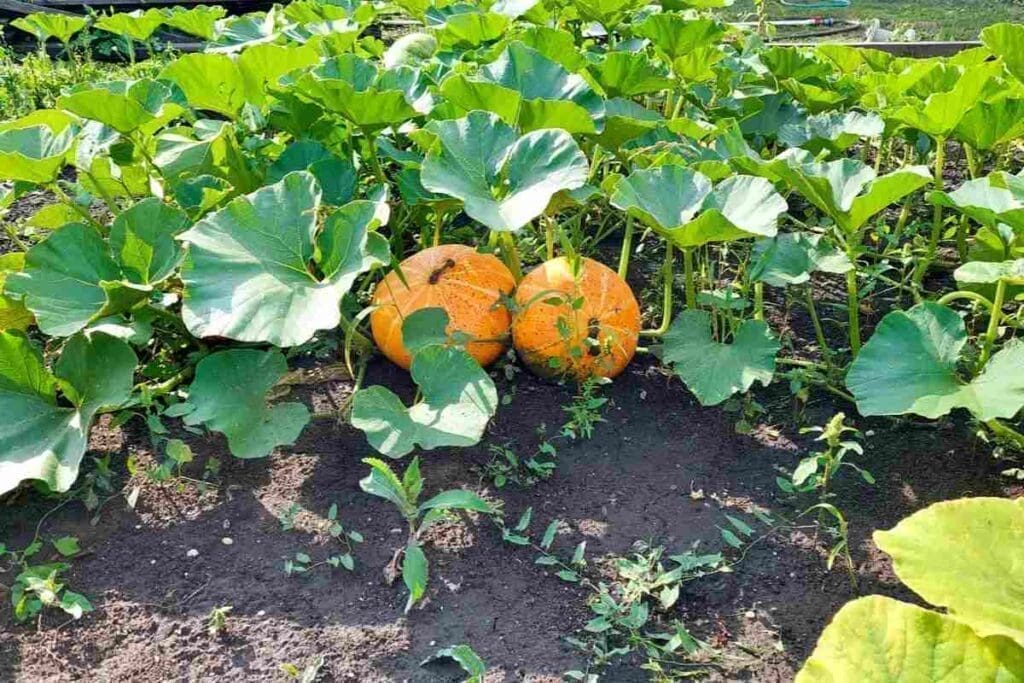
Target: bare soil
(661,468)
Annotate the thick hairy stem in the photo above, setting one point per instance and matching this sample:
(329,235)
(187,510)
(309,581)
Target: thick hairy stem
(510,254)
(667,275)
(438,226)
(936,234)
(819,331)
(378,170)
(627,248)
(853,310)
(549,237)
(993,324)
(759,300)
(689,278)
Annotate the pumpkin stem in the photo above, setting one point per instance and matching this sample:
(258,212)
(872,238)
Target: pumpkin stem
(435,276)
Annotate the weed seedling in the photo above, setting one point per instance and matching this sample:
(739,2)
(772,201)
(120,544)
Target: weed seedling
(302,563)
(307,674)
(42,585)
(463,655)
(404,494)
(817,471)
(217,621)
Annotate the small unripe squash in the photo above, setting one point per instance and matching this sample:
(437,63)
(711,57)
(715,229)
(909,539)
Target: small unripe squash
(468,285)
(581,322)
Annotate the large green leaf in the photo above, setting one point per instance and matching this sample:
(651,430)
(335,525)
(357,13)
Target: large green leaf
(1007,41)
(458,400)
(910,366)
(199,21)
(229,395)
(461,25)
(998,198)
(791,258)
(70,279)
(34,154)
(126,106)
(676,36)
(608,13)
(45,25)
(835,131)
(940,112)
(682,206)
(137,25)
(628,74)
(504,181)
(846,190)
(530,91)
(355,89)
(40,439)
(989,124)
(209,81)
(213,151)
(249,272)
(337,176)
(142,240)
(887,641)
(980,581)
(989,272)
(714,371)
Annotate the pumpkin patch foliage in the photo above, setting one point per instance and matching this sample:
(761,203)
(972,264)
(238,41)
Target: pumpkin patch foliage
(563,187)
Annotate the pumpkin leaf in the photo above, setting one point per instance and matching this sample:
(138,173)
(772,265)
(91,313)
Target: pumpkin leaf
(791,258)
(142,240)
(74,254)
(39,438)
(1007,41)
(682,206)
(910,366)
(126,106)
(138,25)
(835,131)
(714,371)
(998,198)
(34,154)
(462,25)
(248,271)
(199,21)
(978,583)
(229,395)
(337,177)
(985,272)
(355,89)
(675,36)
(880,639)
(45,25)
(459,399)
(503,181)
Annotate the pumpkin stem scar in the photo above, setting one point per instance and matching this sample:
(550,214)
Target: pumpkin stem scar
(439,271)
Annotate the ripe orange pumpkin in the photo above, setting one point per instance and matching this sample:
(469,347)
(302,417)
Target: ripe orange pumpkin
(467,284)
(582,324)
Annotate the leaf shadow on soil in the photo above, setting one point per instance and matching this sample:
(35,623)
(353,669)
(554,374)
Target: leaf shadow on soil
(661,468)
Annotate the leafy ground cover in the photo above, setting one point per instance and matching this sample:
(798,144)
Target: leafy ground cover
(814,254)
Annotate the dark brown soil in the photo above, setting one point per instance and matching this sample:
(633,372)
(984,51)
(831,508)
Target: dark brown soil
(660,468)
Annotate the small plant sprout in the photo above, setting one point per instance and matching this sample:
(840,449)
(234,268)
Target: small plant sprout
(307,674)
(816,471)
(303,563)
(217,621)
(37,586)
(404,494)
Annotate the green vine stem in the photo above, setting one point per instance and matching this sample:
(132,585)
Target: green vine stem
(668,275)
(438,226)
(819,332)
(510,254)
(853,310)
(1005,432)
(993,324)
(759,300)
(689,278)
(627,248)
(959,294)
(933,238)
(549,237)
(378,170)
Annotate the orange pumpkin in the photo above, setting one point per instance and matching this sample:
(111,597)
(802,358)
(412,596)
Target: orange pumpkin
(581,324)
(468,285)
